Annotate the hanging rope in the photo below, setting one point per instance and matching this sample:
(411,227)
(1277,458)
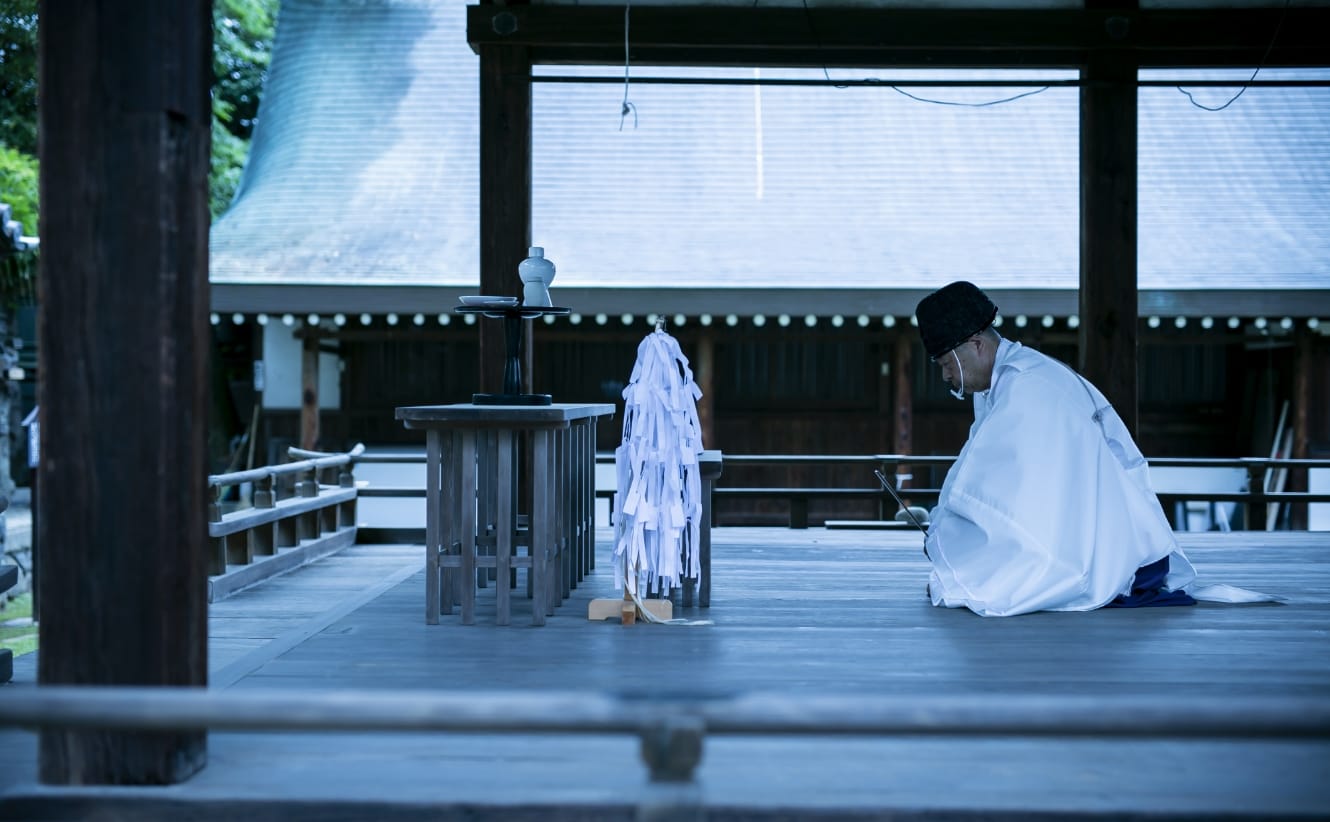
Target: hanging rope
(627,108)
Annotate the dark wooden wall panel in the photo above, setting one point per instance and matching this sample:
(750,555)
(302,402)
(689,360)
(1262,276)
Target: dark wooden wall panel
(819,391)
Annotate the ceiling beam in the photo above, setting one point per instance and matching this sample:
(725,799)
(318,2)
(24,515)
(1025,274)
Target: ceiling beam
(861,37)
(326,300)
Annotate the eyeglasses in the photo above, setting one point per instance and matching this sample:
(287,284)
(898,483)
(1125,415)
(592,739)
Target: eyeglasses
(942,359)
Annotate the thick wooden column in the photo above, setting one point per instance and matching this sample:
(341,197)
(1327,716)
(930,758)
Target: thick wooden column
(123,329)
(505,198)
(1108,293)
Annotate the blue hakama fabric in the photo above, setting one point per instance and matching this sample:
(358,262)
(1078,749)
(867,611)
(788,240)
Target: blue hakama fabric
(1147,589)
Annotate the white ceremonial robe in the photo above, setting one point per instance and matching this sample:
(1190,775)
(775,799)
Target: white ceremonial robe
(1049,505)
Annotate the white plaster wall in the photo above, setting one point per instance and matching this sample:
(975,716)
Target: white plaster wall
(1318,513)
(281,370)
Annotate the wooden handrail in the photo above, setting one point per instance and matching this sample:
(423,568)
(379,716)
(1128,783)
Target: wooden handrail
(798,498)
(673,731)
(314,460)
(756,713)
(315,519)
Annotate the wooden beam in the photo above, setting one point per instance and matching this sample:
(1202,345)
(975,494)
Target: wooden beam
(125,119)
(898,299)
(876,37)
(505,197)
(1108,297)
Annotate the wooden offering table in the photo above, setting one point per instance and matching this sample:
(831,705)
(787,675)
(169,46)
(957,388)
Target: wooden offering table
(478,460)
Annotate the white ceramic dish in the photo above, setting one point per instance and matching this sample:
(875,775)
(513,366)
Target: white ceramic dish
(487,301)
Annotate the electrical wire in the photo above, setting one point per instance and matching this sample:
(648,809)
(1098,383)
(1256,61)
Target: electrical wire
(1040,90)
(817,42)
(1259,66)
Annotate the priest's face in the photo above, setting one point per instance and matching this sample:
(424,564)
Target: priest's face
(963,367)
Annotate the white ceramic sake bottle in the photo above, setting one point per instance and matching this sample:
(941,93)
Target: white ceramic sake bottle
(536,273)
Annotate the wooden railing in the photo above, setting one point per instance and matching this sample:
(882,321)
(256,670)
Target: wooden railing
(1255,497)
(309,505)
(797,499)
(673,731)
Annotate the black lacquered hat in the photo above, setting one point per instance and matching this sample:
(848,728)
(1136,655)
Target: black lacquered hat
(951,315)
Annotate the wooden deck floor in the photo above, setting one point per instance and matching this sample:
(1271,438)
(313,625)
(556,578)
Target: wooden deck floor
(794,612)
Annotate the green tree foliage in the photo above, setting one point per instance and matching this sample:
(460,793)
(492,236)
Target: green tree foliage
(18,190)
(242,47)
(18,76)
(241,51)
(18,138)
(18,186)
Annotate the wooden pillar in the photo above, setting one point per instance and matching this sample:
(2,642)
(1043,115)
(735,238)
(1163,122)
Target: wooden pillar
(123,325)
(1302,377)
(1108,292)
(505,196)
(705,377)
(902,438)
(309,391)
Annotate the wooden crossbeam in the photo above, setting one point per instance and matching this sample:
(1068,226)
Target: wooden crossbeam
(725,35)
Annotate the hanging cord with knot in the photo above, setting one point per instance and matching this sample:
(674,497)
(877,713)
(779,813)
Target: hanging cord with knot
(627,107)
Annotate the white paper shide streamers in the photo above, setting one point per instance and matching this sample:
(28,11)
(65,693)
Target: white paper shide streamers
(658,506)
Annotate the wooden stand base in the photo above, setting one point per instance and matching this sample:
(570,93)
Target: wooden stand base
(626,610)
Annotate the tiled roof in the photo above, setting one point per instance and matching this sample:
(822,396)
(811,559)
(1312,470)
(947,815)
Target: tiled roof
(363,171)
(363,166)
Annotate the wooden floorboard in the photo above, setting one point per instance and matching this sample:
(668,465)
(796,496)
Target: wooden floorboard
(794,612)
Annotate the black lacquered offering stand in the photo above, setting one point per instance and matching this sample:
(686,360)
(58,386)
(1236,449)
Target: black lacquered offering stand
(512,336)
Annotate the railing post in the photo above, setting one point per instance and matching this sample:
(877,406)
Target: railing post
(1256,497)
(799,512)
(307,524)
(671,749)
(288,532)
(346,511)
(308,485)
(217,545)
(215,505)
(263,493)
(327,518)
(263,538)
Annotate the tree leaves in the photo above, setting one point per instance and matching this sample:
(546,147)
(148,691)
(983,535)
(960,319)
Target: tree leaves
(18,77)
(243,31)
